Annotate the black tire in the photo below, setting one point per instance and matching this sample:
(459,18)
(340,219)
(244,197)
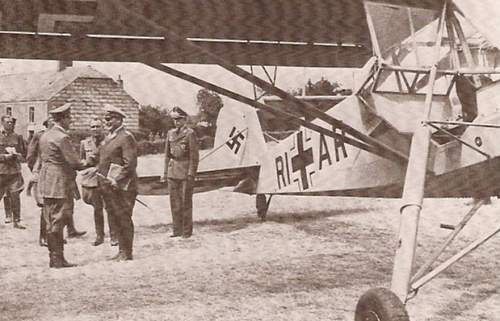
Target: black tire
(380,304)
(262,206)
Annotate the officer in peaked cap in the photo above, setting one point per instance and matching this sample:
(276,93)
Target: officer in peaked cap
(181,164)
(114,111)
(117,178)
(178,113)
(56,182)
(62,115)
(61,111)
(89,149)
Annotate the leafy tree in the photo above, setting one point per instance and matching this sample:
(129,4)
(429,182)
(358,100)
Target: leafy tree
(154,120)
(209,104)
(323,87)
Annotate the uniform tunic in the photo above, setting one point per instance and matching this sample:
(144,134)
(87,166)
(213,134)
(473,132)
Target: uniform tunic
(120,148)
(56,181)
(88,152)
(11,179)
(181,162)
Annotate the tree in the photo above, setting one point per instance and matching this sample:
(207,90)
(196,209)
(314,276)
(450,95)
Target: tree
(154,120)
(323,87)
(209,104)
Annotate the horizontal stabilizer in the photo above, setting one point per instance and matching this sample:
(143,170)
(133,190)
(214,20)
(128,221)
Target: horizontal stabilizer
(205,181)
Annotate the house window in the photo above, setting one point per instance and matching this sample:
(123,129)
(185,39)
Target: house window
(8,111)
(31,114)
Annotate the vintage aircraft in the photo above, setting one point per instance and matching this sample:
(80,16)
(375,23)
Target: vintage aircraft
(422,122)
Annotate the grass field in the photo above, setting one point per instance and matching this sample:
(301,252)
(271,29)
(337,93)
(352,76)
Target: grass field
(311,260)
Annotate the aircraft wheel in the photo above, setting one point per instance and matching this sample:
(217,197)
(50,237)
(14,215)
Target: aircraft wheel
(380,304)
(262,206)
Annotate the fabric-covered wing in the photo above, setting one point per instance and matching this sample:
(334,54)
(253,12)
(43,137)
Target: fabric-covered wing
(277,32)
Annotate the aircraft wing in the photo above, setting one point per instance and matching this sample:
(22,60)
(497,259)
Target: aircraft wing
(313,33)
(484,18)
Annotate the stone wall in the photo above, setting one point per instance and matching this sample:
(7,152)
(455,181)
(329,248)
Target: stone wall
(89,95)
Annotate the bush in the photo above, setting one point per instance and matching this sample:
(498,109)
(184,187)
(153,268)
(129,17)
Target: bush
(140,135)
(145,147)
(206,142)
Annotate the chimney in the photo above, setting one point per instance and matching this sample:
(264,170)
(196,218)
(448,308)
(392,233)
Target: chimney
(120,81)
(63,64)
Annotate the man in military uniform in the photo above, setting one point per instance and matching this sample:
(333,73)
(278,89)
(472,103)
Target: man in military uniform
(90,193)
(34,164)
(12,152)
(181,163)
(56,182)
(117,178)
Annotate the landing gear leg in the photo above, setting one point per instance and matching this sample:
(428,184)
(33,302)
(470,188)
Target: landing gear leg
(262,205)
(413,194)
(388,305)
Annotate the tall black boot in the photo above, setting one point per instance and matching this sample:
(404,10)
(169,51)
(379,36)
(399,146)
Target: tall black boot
(99,226)
(60,250)
(121,255)
(129,244)
(113,230)
(43,231)
(72,232)
(15,203)
(52,245)
(7,208)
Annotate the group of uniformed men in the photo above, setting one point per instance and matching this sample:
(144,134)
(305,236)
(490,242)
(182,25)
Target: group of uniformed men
(109,179)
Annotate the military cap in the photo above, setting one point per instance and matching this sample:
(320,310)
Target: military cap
(60,110)
(110,109)
(177,112)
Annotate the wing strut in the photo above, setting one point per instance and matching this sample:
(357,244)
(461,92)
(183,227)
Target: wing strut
(271,109)
(173,37)
(413,191)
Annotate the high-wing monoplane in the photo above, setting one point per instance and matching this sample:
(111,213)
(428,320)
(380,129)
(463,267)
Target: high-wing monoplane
(422,121)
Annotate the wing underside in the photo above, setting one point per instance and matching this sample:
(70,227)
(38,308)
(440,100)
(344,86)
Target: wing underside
(312,33)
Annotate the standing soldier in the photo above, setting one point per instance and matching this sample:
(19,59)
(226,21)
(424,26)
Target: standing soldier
(12,152)
(118,178)
(34,164)
(56,182)
(90,193)
(181,163)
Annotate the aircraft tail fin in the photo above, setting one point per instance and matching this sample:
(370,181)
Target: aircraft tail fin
(239,141)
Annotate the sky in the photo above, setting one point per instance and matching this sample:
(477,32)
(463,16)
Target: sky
(152,87)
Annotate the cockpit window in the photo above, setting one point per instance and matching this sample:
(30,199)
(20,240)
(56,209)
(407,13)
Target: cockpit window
(405,36)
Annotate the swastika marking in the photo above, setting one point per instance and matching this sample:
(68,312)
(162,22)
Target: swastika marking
(236,140)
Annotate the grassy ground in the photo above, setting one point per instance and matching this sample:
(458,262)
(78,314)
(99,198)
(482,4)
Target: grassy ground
(311,260)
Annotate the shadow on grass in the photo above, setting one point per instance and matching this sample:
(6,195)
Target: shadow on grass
(238,223)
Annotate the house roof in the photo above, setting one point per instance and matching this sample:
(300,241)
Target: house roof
(36,86)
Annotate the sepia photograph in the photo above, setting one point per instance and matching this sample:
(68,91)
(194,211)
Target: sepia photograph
(245,160)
